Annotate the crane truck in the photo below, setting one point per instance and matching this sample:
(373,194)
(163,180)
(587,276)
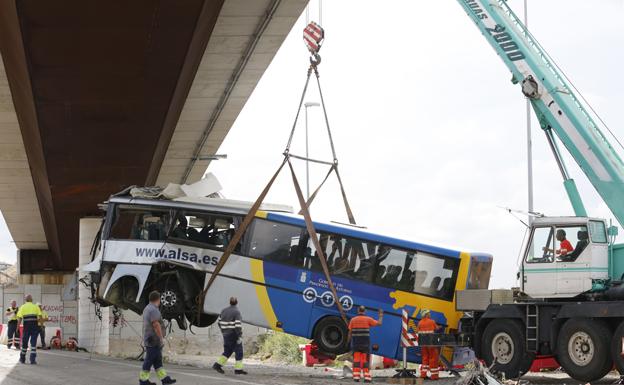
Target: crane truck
(570,300)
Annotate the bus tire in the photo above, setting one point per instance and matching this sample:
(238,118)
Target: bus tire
(330,335)
(583,349)
(503,341)
(616,348)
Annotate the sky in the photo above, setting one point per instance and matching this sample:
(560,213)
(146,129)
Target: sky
(429,131)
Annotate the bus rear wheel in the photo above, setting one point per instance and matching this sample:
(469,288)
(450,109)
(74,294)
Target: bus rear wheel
(330,335)
(583,349)
(503,346)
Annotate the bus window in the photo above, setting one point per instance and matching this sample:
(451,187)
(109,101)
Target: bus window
(346,257)
(479,276)
(146,224)
(390,266)
(433,275)
(276,242)
(208,229)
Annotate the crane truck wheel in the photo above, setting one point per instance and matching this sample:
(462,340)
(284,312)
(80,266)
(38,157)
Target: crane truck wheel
(583,349)
(616,348)
(503,344)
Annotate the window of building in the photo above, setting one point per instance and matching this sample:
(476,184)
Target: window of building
(140,223)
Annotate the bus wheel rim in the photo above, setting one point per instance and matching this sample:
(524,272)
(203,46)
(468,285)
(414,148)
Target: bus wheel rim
(168,298)
(503,348)
(581,348)
(332,336)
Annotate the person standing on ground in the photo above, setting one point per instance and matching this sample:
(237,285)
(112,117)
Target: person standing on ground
(42,321)
(430,354)
(153,340)
(12,333)
(30,314)
(230,323)
(359,335)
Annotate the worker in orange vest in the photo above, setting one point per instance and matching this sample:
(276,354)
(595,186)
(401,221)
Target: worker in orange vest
(430,354)
(359,335)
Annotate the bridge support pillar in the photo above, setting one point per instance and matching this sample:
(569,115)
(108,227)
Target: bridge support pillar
(92,332)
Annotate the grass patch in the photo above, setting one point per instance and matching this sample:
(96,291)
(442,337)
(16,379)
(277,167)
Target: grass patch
(282,347)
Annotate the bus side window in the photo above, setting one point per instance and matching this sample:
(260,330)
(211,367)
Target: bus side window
(207,229)
(145,224)
(275,242)
(390,265)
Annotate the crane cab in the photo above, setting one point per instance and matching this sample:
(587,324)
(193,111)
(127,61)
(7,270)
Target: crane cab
(563,256)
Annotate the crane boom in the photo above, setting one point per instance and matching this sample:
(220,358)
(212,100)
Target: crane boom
(555,103)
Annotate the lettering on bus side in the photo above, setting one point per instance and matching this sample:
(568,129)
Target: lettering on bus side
(476,9)
(505,42)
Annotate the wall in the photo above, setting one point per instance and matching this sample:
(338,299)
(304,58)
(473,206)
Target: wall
(62,314)
(125,338)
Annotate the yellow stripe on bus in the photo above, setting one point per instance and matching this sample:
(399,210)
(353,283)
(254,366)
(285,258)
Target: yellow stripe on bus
(257,275)
(261,214)
(421,302)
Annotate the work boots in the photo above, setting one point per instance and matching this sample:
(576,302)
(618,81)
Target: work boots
(239,371)
(146,382)
(168,380)
(218,367)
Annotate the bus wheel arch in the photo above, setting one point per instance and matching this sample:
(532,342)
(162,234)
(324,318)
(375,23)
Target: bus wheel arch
(583,348)
(503,345)
(330,334)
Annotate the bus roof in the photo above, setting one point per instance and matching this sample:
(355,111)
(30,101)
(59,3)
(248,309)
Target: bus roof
(354,232)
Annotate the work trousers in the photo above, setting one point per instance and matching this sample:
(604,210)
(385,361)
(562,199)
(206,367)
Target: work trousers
(430,362)
(12,334)
(153,358)
(31,332)
(42,334)
(361,366)
(231,345)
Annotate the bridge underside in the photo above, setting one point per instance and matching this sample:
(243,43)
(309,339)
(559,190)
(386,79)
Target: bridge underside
(100,95)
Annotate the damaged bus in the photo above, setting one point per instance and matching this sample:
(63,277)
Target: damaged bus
(173,246)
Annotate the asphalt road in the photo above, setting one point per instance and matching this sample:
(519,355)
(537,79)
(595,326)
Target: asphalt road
(63,368)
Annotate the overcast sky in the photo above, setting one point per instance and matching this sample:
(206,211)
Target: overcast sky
(429,130)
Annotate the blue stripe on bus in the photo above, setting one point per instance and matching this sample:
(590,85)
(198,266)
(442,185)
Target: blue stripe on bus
(364,235)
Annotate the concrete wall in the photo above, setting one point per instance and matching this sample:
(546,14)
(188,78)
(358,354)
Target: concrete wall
(125,338)
(63,314)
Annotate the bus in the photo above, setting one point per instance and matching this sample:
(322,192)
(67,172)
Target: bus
(173,246)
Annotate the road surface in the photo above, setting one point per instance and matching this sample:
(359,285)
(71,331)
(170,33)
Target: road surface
(66,368)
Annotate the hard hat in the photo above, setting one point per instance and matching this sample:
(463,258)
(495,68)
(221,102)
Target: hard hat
(425,312)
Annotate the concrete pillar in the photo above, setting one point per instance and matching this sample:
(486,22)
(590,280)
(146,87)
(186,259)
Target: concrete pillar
(92,333)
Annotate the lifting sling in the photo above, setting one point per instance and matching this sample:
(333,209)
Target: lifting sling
(313,37)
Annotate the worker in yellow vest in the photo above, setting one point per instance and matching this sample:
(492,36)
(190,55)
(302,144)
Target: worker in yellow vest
(42,321)
(12,333)
(29,314)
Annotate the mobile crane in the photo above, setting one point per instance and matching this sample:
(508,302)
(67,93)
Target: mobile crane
(570,303)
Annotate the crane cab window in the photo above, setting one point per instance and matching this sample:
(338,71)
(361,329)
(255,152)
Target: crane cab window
(541,246)
(598,232)
(570,241)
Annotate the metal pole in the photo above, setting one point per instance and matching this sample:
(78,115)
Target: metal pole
(307,154)
(404,358)
(529,140)
(321,12)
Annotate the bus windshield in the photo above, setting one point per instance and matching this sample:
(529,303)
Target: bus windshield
(479,274)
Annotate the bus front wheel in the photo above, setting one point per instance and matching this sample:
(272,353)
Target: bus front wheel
(330,335)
